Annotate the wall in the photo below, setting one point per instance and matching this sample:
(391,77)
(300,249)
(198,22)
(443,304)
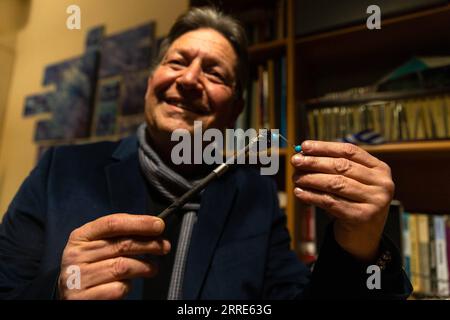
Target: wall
(44,40)
(7,45)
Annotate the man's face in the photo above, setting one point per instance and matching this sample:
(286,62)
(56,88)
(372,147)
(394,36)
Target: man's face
(194,82)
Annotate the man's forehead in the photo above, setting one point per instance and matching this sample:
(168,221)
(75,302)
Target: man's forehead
(204,41)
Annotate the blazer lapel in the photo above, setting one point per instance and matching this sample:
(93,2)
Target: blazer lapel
(216,203)
(126,185)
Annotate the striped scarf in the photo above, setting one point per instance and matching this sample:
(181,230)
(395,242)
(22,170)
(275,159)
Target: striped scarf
(171,185)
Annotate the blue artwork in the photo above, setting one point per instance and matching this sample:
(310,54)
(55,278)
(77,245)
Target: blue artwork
(75,80)
(107,108)
(122,62)
(128,51)
(38,103)
(156,47)
(133,97)
(94,38)
(45,130)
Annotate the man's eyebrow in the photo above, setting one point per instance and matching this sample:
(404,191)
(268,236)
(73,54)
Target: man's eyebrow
(216,61)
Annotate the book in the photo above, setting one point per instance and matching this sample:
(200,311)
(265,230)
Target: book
(283,102)
(424,253)
(307,241)
(416,280)
(442,276)
(432,255)
(406,241)
(282,199)
(447,235)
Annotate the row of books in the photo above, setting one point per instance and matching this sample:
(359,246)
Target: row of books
(265,97)
(426,252)
(423,240)
(391,121)
(264,23)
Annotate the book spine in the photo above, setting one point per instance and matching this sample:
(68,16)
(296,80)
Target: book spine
(441,257)
(406,241)
(424,253)
(447,236)
(416,280)
(283,103)
(432,255)
(308,248)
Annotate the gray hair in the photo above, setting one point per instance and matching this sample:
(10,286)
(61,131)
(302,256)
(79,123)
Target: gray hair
(212,18)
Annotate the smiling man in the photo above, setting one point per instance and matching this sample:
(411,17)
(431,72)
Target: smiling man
(93,207)
(194,81)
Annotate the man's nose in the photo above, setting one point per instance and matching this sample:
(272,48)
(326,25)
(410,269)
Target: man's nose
(190,79)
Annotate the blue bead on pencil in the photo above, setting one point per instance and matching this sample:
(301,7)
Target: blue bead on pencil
(298,148)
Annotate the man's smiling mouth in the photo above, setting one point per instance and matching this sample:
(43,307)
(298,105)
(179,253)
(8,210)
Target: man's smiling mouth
(200,110)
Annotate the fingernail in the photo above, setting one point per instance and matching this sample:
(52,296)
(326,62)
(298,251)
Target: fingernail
(298,191)
(157,225)
(166,247)
(297,159)
(306,145)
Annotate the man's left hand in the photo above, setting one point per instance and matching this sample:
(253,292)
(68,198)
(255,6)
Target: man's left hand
(350,184)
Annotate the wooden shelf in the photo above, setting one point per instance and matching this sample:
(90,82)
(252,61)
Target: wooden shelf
(355,56)
(282,151)
(438,146)
(267,46)
(407,19)
(264,50)
(374,97)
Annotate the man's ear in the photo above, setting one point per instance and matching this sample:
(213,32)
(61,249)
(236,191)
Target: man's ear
(238,107)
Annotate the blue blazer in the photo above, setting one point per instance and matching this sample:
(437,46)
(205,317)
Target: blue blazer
(239,247)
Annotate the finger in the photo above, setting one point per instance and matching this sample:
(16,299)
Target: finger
(108,291)
(117,269)
(339,166)
(336,184)
(340,150)
(119,224)
(115,247)
(338,207)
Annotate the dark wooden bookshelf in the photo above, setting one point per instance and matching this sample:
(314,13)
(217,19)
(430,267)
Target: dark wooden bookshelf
(265,50)
(412,148)
(351,57)
(374,97)
(259,53)
(421,173)
(355,56)
(431,16)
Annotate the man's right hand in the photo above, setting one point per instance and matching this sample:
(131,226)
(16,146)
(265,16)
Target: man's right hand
(103,251)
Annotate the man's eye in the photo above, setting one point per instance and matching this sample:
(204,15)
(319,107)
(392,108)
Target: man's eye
(217,75)
(176,62)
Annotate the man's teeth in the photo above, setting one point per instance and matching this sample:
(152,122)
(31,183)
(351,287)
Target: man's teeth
(177,104)
(181,105)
